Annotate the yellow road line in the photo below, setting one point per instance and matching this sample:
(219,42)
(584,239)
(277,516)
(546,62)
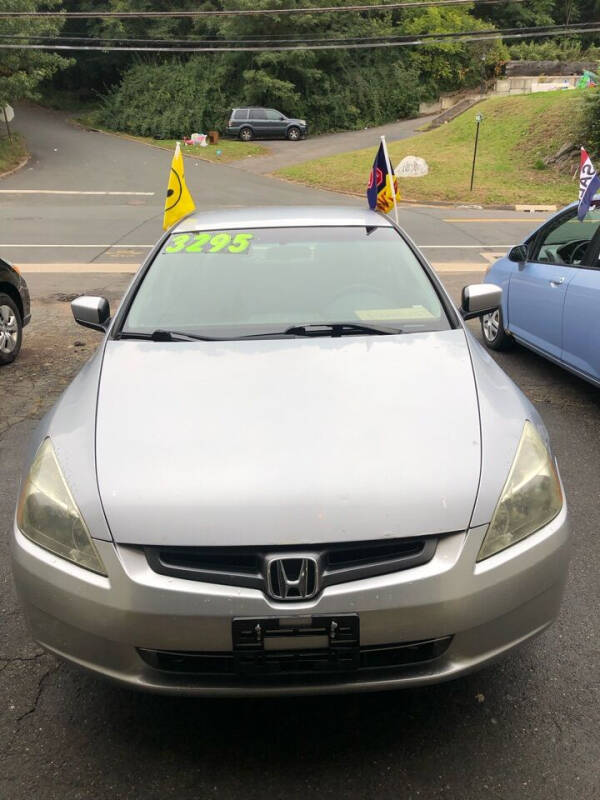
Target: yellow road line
(93,267)
(459,266)
(494,219)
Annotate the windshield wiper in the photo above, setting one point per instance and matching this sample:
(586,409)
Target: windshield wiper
(312,329)
(339,329)
(160,335)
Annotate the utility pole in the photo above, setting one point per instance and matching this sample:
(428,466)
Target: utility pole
(482,85)
(478,120)
(7,120)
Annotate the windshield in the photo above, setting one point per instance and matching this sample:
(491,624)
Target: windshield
(240,282)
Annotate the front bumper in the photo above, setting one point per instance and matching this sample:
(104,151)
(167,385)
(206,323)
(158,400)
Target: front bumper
(102,623)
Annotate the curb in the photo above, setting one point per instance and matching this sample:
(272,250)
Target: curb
(523,207)
(138,140)
(132,267)
(19,166)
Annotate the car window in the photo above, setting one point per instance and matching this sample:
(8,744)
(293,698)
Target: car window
(272,114)
(565,241)
(244,281)
(241,113)
(257,113)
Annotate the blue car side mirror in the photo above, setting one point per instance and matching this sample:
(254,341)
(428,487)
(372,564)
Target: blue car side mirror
(518,254)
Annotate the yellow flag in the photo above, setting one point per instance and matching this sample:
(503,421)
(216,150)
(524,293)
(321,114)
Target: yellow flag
(179,201)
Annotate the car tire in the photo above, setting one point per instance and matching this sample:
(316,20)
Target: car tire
(11,330)
(293,133)
(246,134)
(492,330)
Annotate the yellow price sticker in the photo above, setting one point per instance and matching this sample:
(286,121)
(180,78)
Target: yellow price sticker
(221,242)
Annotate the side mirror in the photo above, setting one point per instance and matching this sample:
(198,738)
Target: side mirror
(518,254)
(281,119)
(479,299)
(91,312)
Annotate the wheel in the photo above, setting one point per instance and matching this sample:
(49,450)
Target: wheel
(246,134)
(11,329)
(293,133)
(494,335)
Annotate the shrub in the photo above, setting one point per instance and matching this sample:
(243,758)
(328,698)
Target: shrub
(169,100)
(591,122)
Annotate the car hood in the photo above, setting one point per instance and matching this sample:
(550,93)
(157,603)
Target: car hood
(286,442)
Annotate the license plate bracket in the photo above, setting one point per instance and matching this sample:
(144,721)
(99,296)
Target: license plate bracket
(296,645)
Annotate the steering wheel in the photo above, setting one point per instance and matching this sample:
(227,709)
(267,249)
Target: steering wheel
(579,246)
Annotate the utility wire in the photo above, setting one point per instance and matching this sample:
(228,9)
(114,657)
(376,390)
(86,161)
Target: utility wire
(549,30)
(244,12)
(373,42)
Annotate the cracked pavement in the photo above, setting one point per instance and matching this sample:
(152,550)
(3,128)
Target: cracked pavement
(525,728)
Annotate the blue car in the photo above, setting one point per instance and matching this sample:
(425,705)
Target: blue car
(551,293)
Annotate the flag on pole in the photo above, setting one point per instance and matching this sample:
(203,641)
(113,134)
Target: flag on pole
(178,201)
(589,183)
(382,189)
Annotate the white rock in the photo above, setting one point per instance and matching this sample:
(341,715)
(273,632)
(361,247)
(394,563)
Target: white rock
(412,167)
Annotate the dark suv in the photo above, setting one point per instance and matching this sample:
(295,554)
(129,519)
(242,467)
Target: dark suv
(14,311)
(263,123)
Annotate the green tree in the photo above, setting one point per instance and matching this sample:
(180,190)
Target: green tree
(451,64)
(21,71)
(333,88)
(521,15)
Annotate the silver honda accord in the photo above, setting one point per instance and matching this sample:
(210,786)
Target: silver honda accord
(289,468)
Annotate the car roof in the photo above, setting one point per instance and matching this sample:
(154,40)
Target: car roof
(282,217)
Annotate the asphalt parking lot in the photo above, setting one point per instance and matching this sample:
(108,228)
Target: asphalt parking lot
(526,727)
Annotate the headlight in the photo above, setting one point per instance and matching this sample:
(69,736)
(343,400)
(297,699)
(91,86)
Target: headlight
(531,497)
(48,515)
(302,121)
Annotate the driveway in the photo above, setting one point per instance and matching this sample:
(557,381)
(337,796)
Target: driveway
(284,154)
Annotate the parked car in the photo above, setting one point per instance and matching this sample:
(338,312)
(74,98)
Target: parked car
(551,297)
(14,311)
(264,123)
(289,468)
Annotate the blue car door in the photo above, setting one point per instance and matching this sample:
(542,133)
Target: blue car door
(538,287)
(581,318)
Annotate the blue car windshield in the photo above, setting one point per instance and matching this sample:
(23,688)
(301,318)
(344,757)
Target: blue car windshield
(244,281)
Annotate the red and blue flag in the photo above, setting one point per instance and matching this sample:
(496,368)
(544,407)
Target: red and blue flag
(589,184)
(383,184)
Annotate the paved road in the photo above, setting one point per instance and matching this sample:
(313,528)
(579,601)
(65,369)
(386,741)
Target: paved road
(283,153)
(525,728)
(37,227)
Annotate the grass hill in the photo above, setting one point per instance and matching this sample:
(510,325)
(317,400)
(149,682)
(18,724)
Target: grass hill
(517,135)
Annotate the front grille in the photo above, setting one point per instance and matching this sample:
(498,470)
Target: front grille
(248,566)
(373,659)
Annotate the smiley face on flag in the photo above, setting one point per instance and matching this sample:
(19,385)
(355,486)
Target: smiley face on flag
(178,202)
(173,194)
